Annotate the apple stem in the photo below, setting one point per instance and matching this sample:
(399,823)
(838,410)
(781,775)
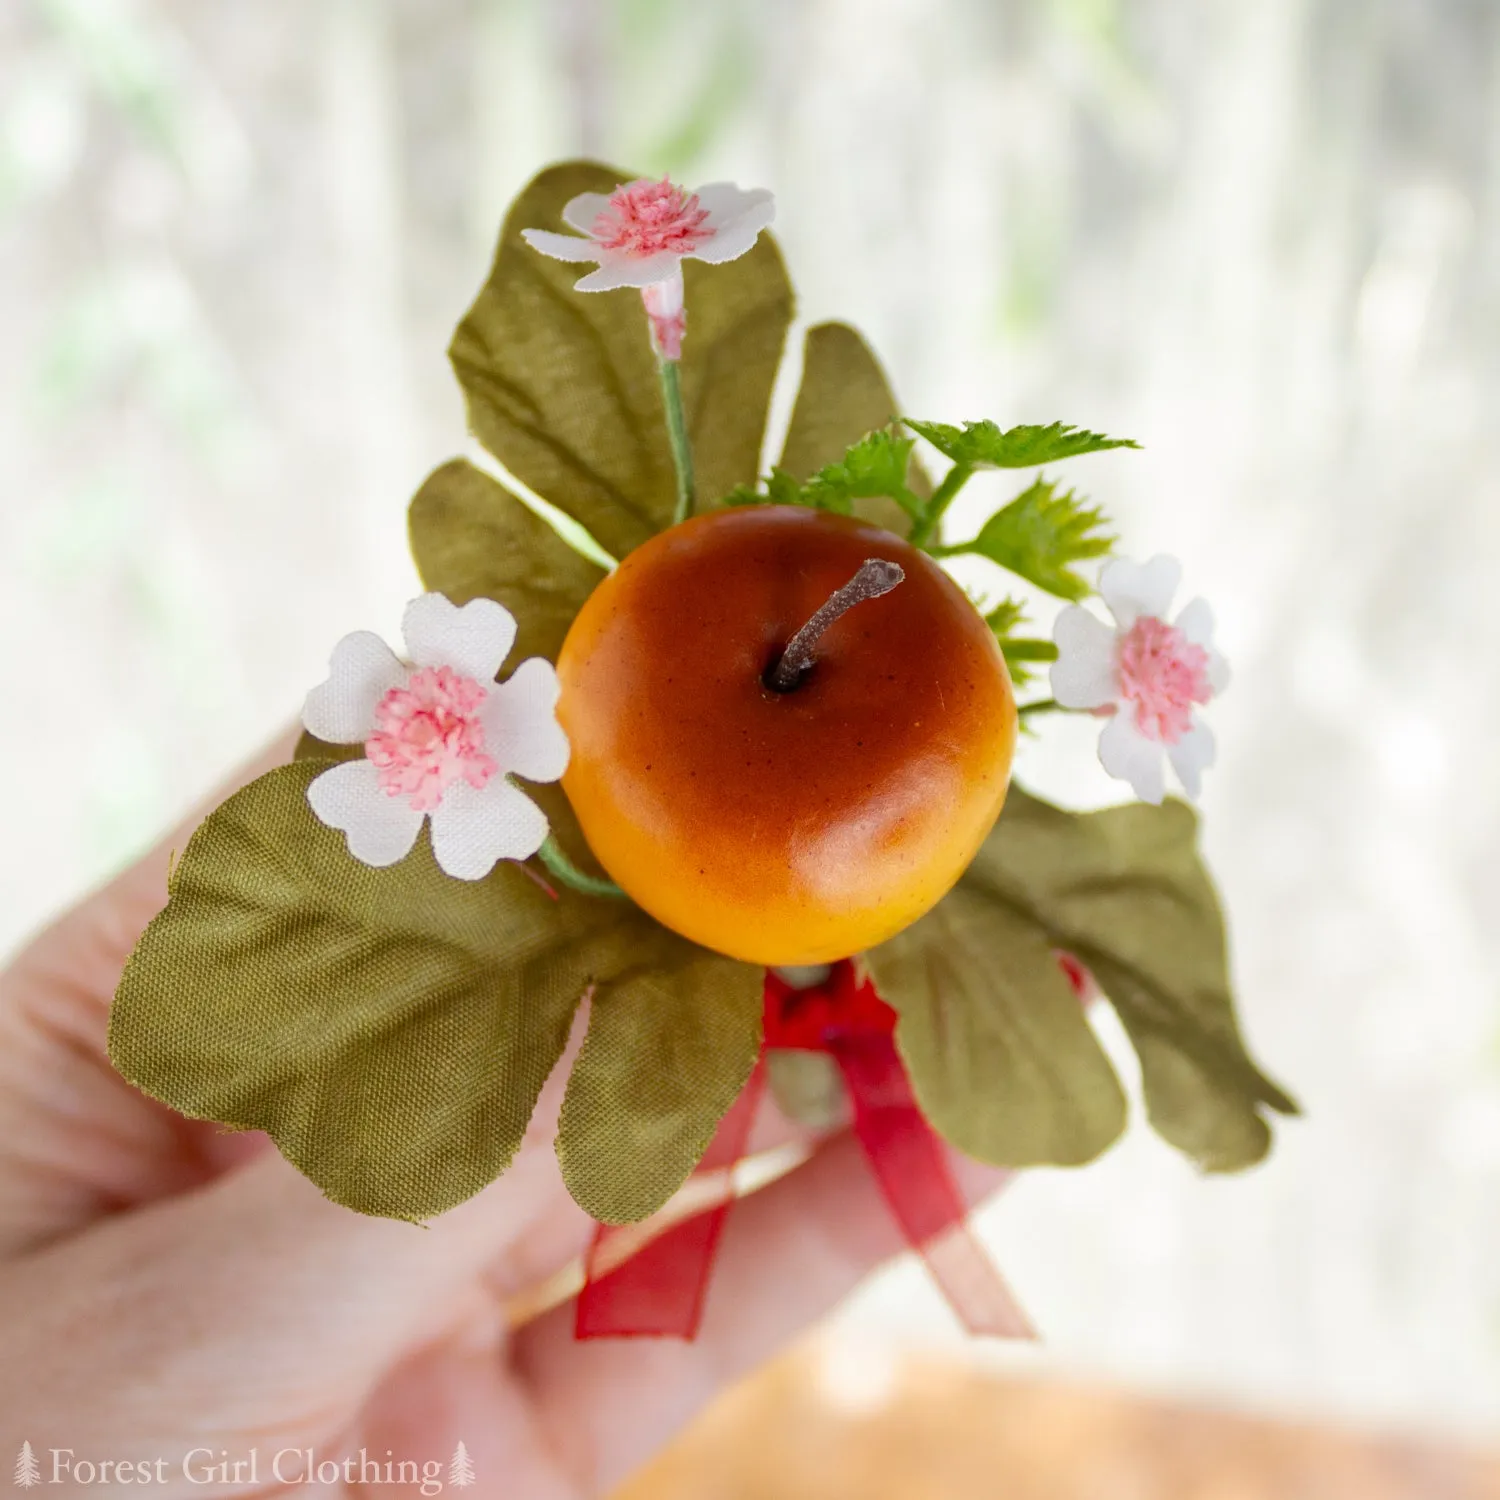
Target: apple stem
(875,577)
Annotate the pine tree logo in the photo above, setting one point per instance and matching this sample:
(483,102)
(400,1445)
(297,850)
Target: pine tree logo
(29,1471)
(461,1469)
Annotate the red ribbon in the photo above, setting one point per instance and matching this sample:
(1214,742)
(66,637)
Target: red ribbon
(659,1289)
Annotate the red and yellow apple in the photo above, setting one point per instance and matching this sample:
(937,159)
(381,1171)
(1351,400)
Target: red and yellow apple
(789,827)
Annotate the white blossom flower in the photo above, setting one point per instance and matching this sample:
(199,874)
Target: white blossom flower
(1147,675)
(442,739)
(640,234)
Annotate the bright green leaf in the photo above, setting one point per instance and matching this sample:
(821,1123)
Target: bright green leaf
(561,386)
(1019,651)
(1003,617)
(673,1035)
(783,489)
(844,395)
(873,467)
(1039,536)
(984,445)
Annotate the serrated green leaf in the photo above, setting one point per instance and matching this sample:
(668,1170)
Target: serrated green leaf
(1003,617)
(472,538)
(844,394)
(561,386)
(672,1038)
(1000,1056)
(390,1029)
(1019,651)
(783,488)
(1039,536)
(984,445)
(1126,891)
(872,468)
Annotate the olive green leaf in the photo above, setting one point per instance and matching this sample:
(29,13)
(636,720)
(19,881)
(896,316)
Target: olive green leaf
(389,1028)
(1126,891)
(561,386)
(844,395)
(1000,1056)
(673,1035)
(471,537)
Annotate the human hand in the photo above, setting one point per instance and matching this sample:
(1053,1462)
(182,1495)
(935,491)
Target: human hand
(168,1289)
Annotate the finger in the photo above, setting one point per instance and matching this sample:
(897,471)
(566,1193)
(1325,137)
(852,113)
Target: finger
(75,1138)
(313,1300)
(254,1298)
(789,1255)
(241,1307)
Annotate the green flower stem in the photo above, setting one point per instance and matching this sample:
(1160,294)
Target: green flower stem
(682,451)
(558,864)
(1042,706)
(942,497)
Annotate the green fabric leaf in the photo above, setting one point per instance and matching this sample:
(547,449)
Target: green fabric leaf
(1126,891)
(471,537)
(984,445)
(389,1028)
(673,1036)
(1039,536)
(844,394)
(872,468)
(1001,1058)
(1020,652)
(561,386)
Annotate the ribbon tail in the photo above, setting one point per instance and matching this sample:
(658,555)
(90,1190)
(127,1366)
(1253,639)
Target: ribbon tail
(649,1280)
(910,1164)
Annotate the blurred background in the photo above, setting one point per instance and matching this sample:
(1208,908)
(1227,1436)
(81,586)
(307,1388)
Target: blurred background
(1262,239)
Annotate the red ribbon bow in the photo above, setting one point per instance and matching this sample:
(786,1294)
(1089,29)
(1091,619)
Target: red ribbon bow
(659,1289)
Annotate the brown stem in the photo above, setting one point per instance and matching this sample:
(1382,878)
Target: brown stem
(874,578)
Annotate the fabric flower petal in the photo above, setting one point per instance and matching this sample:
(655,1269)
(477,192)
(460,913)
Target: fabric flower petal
(1083,676)
(381,829)
(617,270)
(583,211)
(473,640)
(472,830)
(361,671)
(735,229)
(1191,756)
(560,246)
(1134,589)
(1196,622)
(520,723)
(1128,755)
(726,201)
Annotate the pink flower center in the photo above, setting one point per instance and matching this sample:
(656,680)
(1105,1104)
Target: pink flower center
(1162,675)
(650,218)
(428,735)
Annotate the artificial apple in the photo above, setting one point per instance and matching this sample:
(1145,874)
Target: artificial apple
(794,819)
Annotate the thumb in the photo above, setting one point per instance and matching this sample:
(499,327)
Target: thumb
(253,1305)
